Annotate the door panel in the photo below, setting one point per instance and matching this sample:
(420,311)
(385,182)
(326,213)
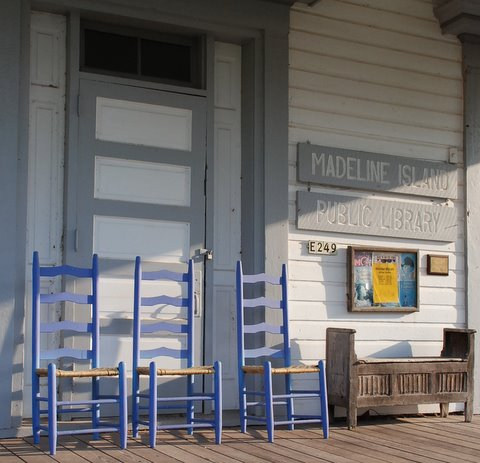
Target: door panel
(138,189)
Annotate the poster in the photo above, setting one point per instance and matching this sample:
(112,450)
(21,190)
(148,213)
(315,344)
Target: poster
(383,280)
(363,279)
(408,280)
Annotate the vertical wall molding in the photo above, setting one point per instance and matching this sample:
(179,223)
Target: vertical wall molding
(471,54)
(45,159)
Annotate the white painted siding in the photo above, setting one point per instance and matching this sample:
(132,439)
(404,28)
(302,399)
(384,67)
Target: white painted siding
(377,76)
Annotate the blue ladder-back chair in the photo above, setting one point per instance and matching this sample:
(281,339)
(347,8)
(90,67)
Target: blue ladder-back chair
(247,364)
(146,405)
(45,401)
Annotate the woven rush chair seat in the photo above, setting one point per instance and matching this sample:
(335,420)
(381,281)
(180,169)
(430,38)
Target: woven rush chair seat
(206,370)
(95,372)
(295,369)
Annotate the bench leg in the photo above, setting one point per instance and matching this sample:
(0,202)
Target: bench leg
(351,416)
(444,410)
(331,412)
(468,410)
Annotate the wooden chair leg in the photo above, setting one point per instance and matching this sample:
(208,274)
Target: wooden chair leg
(323,399)
(152,409)
(269,400)
(95,408)
(123,409)
(135,403)
(190,406)
(52,408)
(242,401)
(217,379)
(36,410)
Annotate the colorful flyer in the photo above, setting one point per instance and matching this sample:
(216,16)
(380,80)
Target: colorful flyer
(385,283)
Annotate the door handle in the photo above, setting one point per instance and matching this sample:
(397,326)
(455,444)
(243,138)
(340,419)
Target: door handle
(196,310)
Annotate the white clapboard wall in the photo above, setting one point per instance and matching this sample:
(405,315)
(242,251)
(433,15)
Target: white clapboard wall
(376,76)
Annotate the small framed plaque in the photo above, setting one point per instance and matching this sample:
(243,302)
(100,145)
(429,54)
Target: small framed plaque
(437,265)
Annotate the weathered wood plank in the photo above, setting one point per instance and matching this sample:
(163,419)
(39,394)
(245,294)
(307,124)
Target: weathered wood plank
(287,452)
(434,447)
(25,452)
(390,452)
(6,456)
(362,451)
(397,442)
(143,452)
(459,429)
(87,453)
(299,445)
(470,447)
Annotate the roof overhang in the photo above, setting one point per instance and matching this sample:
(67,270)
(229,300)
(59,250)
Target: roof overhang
(458,17)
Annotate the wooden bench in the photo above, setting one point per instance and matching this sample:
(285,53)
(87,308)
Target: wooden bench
(354,383)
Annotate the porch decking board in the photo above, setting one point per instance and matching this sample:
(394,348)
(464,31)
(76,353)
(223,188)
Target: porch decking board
(457,433)
(394,455)
(278,449)
(418,453)
(345,451)
(435,442)
(421,446)
(296,446)
(393,440)
(203,451)
(146,454)
(363,450)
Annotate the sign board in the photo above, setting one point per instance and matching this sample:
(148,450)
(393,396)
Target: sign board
(382,280)
(375,217)
(322,247)
(377,172)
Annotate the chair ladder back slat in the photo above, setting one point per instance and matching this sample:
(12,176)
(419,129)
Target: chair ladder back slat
(63,353)
(163,326)
(263,327)
(263,352)
(262,302)
(40,302)
(164,352)
(66,296)
(163,299)
(65,325)
(143,326)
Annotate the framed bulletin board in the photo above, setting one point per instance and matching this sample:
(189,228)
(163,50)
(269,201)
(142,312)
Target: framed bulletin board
(382,280)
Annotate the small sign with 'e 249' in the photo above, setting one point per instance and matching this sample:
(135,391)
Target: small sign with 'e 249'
(322,247)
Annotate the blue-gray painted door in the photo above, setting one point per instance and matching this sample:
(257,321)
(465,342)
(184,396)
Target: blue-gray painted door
(136,187)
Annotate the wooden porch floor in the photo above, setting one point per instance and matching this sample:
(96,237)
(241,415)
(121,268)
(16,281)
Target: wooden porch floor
(406,439)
